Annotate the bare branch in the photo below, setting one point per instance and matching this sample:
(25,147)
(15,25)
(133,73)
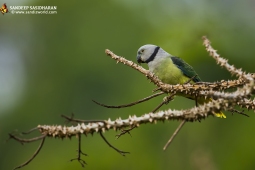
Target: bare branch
(34,155)
(81,161)
(71,119)
(183,122)
(186,88)
(130,104)
(31,130)
(124,131)
(166,100)
(22,141)
(123,153)
(174,134)
(239,112)
(221,61)
(147,73)
(243,88)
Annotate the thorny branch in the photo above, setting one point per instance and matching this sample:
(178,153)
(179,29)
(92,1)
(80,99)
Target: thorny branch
(183,121)
(166,100)
(243,88)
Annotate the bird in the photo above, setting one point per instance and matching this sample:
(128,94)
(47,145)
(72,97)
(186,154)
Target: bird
(170,69)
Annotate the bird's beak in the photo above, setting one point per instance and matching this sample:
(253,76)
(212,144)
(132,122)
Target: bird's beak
(139,59)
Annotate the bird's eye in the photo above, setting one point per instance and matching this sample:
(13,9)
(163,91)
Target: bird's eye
(142,50)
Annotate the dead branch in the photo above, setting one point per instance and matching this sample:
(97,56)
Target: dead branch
(123,153)
(185,89)
(72,119)
(243,88)
(22,141)
(81,161)
(130,104)
(33,156)
(174,134)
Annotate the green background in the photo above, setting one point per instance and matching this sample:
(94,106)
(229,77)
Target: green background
(55,64)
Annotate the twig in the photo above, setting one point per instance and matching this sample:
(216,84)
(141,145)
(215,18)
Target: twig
(124,131)
(159,106)
(31,130)
(174,134)
(166,100)
(176,131)
(130,104)
(119,151)
(81,161)
(239,112)
(71,119)
(22,141)
(183,122)
(156,89)
(33,156)
(192,78)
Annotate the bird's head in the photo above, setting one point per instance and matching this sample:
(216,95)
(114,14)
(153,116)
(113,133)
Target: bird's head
(147,53)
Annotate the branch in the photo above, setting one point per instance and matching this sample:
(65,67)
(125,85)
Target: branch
(135,66)
(130,104)
(33,156)
(190,115)
(242,88)
(71,119)
(108,143)
(223,62)
(174,134)
(81,161)
(184,88)
(22,141)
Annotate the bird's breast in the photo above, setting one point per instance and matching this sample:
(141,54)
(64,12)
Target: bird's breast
(169,73)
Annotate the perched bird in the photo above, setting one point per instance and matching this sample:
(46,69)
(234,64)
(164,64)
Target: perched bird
(170,69)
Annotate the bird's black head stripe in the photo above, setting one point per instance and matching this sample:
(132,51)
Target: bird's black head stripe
(151,58)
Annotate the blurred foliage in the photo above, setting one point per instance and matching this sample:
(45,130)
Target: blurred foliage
(65,67)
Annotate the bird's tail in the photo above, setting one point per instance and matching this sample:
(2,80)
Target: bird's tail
(220,114)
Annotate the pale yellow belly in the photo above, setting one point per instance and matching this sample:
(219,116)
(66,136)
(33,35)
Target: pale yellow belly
(170,74)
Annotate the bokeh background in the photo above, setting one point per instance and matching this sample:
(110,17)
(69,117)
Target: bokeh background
(55,64)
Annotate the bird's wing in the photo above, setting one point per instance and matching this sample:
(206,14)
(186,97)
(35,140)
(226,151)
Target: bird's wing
(186,69)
